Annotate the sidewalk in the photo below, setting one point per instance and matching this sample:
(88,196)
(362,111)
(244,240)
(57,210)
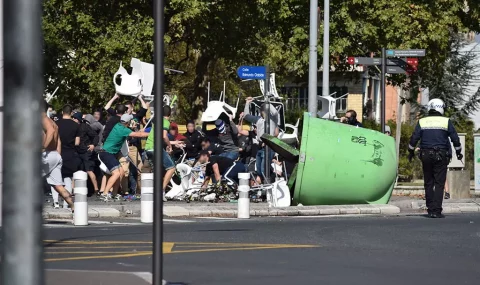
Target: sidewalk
(397,205)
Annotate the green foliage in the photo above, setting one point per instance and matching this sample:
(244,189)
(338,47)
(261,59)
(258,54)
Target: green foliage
(453,82)
(85,40)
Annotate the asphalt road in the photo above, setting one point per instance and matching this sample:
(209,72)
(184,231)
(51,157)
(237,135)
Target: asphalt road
(311,250)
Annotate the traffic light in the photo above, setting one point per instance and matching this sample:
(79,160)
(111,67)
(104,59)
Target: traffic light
(351,60)
(412,65)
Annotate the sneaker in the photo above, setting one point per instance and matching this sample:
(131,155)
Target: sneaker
(118,197)
(56,205)
(106,198)
(447,195)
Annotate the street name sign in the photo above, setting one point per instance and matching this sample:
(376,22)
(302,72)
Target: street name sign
(406,52)
(252,72)
(397,61)
(376,61)
(395,70)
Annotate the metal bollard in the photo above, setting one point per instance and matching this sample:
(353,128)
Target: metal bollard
(80,216)
(243,199)
(146,204)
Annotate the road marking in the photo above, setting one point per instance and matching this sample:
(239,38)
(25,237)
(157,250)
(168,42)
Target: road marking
(218,218)
(178,221)
(95,252)
(88,247)
(99,257)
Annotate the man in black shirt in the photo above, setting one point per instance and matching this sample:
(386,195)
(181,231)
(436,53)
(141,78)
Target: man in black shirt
(212,148)
(219,167)
(69,133)
(88,141)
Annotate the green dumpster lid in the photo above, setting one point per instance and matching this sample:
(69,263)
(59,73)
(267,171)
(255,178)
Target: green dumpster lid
(284,150)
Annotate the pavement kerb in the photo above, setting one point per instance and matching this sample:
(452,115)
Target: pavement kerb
(288,211)
(92,213)
(257,210)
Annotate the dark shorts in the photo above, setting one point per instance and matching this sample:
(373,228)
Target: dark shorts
(110,161)
(71,163)
(88,164)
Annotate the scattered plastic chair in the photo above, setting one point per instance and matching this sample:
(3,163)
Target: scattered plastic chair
(290,138)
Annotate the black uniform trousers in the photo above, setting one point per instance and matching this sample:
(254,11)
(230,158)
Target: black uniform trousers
(435,162)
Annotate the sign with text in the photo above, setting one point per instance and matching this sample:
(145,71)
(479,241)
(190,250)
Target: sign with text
(406,52)
(396,70)
(376,61)
(252,72)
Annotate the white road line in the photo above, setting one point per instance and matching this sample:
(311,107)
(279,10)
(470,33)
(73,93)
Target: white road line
(218,218)
(178,221)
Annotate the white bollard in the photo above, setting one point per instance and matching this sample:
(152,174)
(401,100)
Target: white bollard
(80,216)
(243,199)
(146,205)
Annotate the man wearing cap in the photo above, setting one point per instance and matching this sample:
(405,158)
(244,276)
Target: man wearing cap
(88,140)
(226,136)
(111,149)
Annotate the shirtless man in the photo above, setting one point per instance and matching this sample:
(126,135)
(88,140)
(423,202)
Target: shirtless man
(51,159)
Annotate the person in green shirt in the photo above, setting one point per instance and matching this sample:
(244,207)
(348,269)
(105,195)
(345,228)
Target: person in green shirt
(111,148)
(168,163)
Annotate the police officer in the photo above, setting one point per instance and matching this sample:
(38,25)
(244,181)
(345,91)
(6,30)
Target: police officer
(435,153)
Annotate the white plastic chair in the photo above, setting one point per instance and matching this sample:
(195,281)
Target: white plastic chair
(290,138)
(131,84)
(279,194)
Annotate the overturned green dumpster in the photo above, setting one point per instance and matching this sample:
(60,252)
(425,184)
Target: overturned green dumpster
(339,164)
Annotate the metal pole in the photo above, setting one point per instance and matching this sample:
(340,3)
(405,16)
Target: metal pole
(267,124)
(383,93)
(312,69)
(22,250)
(326,49)
(1,105)
(159,18)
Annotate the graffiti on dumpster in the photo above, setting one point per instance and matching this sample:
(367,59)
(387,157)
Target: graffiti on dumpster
(377,153)
(359,140)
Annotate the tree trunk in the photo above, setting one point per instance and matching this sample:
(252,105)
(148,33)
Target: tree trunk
(200,86)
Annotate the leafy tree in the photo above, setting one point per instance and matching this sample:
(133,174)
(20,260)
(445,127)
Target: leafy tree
(85,40)
(453,82)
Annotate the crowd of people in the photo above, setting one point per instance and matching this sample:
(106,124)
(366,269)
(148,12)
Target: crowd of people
(115,144)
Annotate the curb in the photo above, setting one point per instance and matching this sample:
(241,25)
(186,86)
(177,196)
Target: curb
(452,208)
(176,211)
(92,213)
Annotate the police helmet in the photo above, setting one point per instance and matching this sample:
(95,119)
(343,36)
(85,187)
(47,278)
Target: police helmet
(436,105)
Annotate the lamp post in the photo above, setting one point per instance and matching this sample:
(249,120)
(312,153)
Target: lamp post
(159,20)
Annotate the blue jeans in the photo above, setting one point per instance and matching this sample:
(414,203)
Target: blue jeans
(167,160)
(132,178)
(231,155)
(260,161)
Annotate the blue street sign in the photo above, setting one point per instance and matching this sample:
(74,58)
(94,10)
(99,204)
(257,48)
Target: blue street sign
(252,72)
